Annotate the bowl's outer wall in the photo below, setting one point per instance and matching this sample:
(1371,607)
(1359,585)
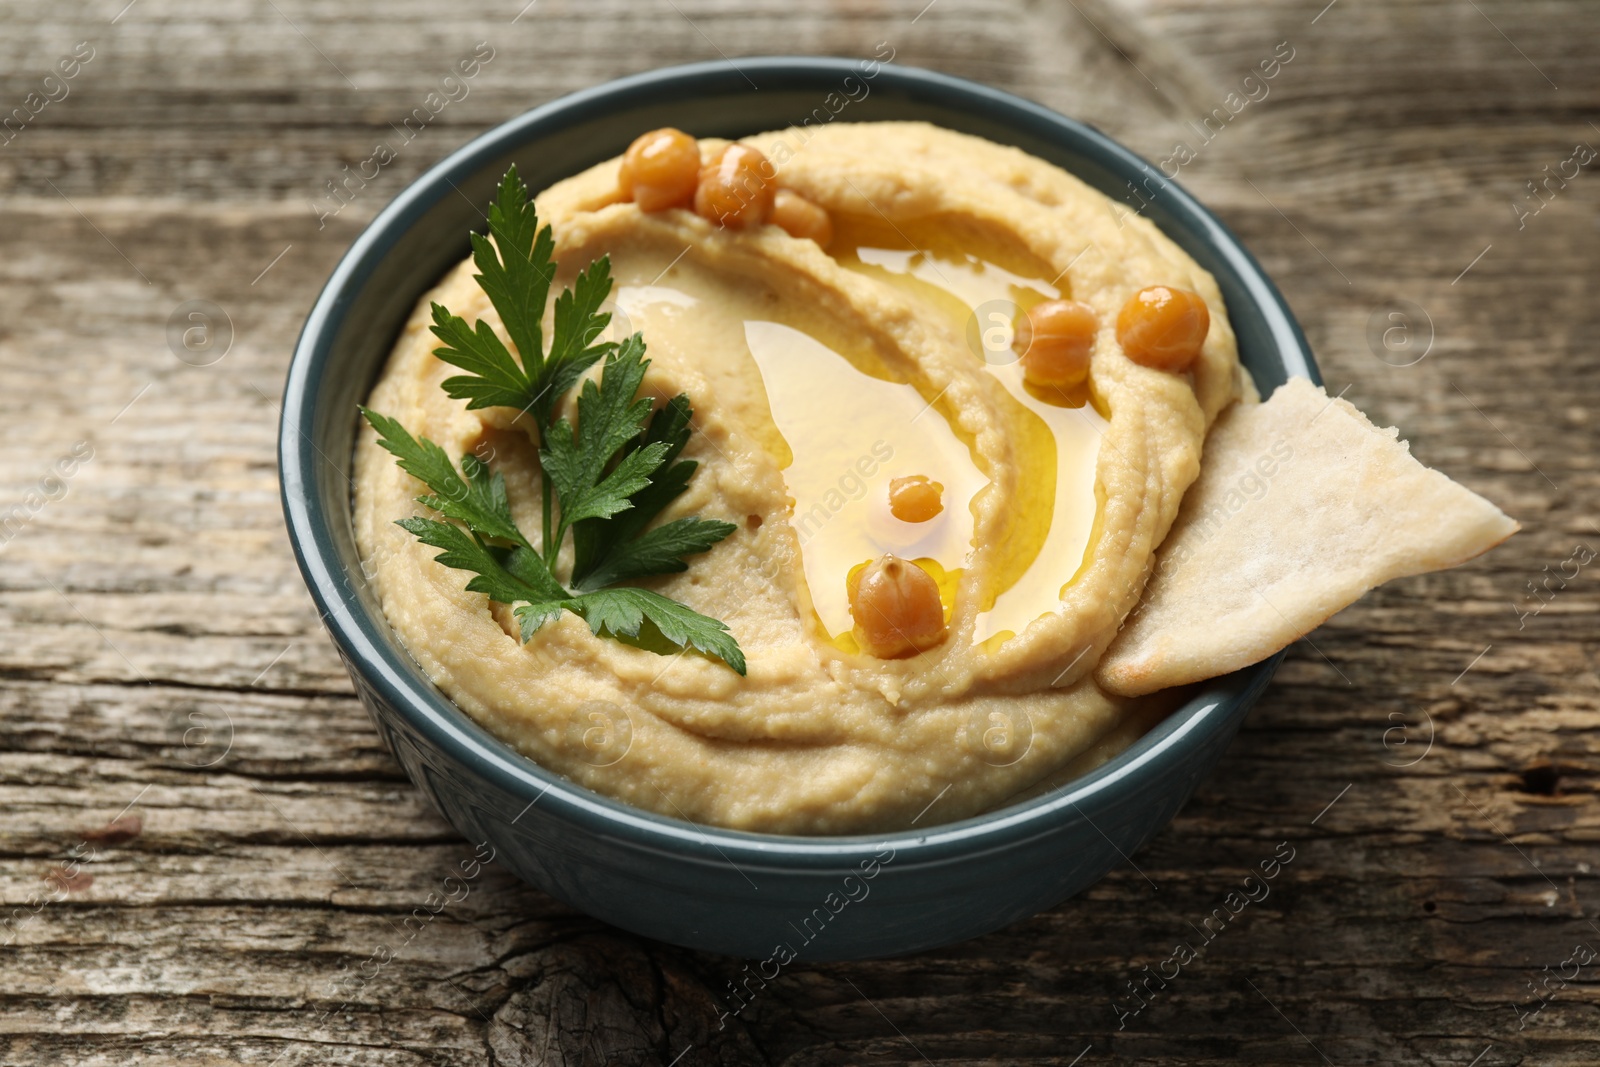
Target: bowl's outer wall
(750,908)
(740,894)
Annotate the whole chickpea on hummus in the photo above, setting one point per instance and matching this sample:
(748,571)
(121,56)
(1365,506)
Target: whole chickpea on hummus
(951,407)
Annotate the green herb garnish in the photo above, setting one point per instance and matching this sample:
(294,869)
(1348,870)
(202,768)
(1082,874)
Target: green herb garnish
(604,481)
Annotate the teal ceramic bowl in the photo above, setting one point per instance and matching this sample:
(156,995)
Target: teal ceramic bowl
(759,896)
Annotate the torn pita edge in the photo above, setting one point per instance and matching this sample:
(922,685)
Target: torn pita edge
(1147,668)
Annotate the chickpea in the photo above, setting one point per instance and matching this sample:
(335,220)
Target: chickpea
(661,169)
(896,608)
(801,218)
(736,188)
(1055,339)
(1163,328)
(915,498)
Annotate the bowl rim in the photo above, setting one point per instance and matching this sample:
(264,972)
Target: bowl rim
(434,716)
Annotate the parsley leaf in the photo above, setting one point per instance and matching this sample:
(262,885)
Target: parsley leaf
(575,344)
(516,270)
(517,281)
(615,551)
(507,576)
(628,612)
(604,481)
(609,417)
(612,436)
(479,500)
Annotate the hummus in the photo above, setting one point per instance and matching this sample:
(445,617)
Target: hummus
(818,378)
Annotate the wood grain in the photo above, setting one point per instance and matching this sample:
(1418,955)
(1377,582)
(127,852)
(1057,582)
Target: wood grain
(160,661)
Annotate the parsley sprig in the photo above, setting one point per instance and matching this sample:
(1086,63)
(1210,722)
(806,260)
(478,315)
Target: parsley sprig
(604,480)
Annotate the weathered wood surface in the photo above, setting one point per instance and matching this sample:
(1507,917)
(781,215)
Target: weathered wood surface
(160,661)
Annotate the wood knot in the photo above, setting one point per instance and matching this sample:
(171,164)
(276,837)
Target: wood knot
(604,1000)
(1542,778)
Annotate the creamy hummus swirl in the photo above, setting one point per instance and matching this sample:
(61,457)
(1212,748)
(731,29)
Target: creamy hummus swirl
(816,739)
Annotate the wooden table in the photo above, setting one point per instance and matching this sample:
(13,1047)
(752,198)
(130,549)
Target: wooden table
(204,845)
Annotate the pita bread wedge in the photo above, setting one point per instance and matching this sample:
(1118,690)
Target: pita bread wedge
(1302,505)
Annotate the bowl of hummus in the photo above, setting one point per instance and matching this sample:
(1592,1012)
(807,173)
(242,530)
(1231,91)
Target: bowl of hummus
(826,521)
